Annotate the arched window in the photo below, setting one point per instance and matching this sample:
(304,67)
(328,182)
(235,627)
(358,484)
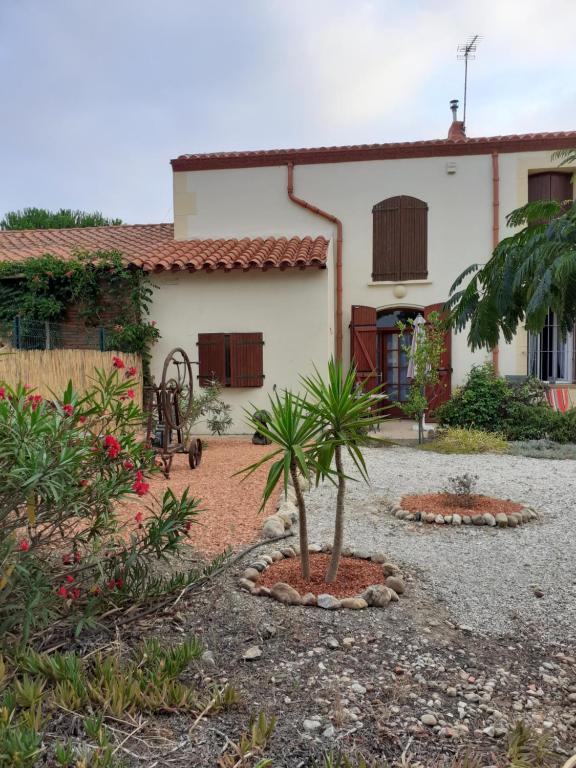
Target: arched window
(400,239)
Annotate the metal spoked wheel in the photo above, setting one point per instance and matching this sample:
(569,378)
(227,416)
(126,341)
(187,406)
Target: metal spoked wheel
(195,452)
(176,388)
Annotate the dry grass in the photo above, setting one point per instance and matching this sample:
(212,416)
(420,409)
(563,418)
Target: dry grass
(461,440)
(49,371)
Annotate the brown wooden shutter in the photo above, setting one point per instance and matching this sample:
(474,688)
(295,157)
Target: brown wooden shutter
(386,240)
(246,360)
(553,185)
(443,390)
(363,346)
(212,358)
(400,239)
(413,239)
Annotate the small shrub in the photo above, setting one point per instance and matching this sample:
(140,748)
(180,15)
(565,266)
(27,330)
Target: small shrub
(466,440)
(482,403)
(518,411)
(543,449)
(460,490)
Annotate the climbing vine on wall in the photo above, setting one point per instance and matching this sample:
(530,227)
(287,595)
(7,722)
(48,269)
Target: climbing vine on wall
(98,284)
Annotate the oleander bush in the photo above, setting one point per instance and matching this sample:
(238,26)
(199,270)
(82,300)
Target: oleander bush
(68,551)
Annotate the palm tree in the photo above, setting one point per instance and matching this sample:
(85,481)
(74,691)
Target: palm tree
(293,430)
(345,414)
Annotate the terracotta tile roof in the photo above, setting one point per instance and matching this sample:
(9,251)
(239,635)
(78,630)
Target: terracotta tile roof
(528,142)
(152,247)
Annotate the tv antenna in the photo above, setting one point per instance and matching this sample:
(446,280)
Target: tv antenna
(466,53)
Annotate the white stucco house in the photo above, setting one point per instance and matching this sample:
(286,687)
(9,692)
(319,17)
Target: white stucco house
(279,259)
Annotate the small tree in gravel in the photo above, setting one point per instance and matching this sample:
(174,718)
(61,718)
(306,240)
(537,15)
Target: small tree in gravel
(294,430)
(345,415)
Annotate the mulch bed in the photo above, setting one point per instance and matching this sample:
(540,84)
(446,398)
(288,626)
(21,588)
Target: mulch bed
(354,575)
(230,516)
(442,504)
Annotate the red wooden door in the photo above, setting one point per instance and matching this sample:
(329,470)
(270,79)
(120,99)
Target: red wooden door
(443,390)
(363,345)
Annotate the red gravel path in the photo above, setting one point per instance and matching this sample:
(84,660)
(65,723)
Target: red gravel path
(440,504)
(354,575)
(230,517)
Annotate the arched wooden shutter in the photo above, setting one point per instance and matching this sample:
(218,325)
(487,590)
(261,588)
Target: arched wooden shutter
(363,346)
(212,358)
(246,364)
(443,390)
(400,239)
(552,185)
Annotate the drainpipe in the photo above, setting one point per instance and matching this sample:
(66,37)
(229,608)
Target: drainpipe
(329,217)
(495,232)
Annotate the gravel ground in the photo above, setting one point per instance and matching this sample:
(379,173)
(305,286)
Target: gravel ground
(486,577)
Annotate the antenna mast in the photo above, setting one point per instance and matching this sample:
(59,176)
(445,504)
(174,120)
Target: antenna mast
(466,53)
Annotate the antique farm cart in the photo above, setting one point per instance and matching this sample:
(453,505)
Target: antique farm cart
(169,406)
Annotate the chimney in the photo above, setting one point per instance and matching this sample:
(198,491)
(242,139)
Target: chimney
(456,131)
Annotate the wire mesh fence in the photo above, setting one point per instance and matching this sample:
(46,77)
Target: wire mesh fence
(27,334)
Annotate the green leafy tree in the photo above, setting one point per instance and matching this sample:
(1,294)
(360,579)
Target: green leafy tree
(426,358)
(343,414)
(65,218)
(293,430)
(529,273)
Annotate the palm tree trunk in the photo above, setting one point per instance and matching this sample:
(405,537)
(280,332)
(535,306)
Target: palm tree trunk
(302,525)
(339,526)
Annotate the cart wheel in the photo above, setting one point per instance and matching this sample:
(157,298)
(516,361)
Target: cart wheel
(195,452)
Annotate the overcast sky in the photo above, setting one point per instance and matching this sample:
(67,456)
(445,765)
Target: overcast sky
(98,95)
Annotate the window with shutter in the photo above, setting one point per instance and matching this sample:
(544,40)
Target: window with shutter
(400,239)
(552,185)
(233,359)
(246,353)
(211,358)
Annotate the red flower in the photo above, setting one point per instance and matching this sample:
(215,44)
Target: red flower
(131,372)
(111,584)
(2,393)
(82,419)
(119,583)
(84,483)
(24,545)
(69,273)
(117,362)
(27,387)
(138,517)
(131,394)
(63,592)
(35,400)
(66,559)
(112,446)
(68,409)
(69,579)
(75,593)
(140,488)
(77,557)
(127,464)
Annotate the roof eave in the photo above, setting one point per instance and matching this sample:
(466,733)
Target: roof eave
(442,148)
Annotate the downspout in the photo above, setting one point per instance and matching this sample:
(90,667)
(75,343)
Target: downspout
(495,233)
(335,220)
